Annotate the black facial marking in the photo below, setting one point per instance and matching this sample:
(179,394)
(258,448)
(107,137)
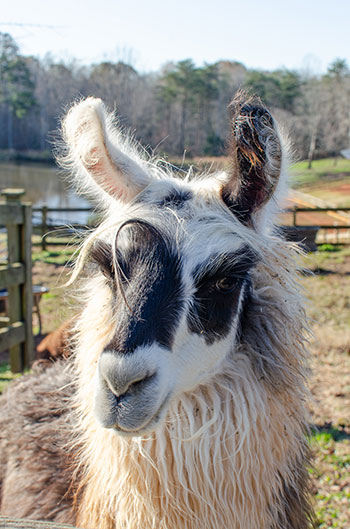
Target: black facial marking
(152,288)
(219,283)
(175,199)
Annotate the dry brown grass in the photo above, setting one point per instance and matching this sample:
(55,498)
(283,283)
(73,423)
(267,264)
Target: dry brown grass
(328,292)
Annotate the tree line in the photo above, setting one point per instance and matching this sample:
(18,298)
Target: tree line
(180,109)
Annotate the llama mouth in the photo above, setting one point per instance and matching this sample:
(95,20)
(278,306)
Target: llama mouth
(145,427)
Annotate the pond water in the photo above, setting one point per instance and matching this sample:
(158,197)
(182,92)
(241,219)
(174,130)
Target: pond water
(44,186)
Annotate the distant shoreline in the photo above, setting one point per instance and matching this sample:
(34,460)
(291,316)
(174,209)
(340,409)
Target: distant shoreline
(13,156)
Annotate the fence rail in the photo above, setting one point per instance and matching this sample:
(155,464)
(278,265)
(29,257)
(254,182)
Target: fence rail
(51,231)
(15,276)
(343,215)
(48,229)
(16,334)
(55,233)
(320,217)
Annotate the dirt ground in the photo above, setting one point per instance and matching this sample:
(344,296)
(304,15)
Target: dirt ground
(57,305)
(336,192)
(328,292)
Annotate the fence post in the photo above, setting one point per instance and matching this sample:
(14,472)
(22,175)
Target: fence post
(27,298)
(294,216)
(20,300)
(43,227)
(12,196)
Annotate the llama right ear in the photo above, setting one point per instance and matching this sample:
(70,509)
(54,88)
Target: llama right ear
(256,155)
(98,153)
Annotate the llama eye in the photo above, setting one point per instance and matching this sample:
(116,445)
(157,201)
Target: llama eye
(226,284)
(108,271)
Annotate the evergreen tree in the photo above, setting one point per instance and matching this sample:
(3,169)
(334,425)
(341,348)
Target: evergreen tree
(16,85)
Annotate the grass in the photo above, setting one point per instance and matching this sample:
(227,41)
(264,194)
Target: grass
(328,180)
(333,193)
(324,171)
(329,307)
(326,247)
(6,376)
(327,434)
(329,254)
(54,256)
(320,170)
(328,294)
(322,180)
(328,289)
(331,477)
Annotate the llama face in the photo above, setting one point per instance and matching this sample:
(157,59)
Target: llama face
(178,282)
(176,258)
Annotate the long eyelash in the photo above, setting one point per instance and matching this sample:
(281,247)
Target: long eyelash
(109,258)
(101,254)
(119,273)
(116,265)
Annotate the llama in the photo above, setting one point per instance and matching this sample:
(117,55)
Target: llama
(183,405)
(55,345)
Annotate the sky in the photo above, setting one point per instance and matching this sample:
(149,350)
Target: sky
(266,34)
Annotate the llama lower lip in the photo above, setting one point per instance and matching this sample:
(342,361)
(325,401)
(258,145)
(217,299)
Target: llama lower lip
(139,431)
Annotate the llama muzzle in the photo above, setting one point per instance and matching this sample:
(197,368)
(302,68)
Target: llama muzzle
(129,394)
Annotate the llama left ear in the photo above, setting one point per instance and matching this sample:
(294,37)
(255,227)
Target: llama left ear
(102,158)
(256,155)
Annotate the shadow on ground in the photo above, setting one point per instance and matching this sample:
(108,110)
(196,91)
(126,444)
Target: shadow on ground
(338,433)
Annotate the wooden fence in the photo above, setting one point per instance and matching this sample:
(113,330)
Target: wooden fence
(50,231)
(55,233)
(337,232)
(16,334)
(337,211)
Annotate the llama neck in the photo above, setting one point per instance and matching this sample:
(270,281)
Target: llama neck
(218,461)
(230,453)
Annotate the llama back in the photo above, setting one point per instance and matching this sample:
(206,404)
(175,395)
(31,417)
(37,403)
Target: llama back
(35,461)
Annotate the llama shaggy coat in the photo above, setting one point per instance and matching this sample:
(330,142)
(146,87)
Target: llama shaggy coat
(230,450)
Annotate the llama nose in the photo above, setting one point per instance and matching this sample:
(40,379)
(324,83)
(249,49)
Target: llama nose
(122,374)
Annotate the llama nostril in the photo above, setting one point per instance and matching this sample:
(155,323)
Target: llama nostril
(122,375)
(131,388)
(139,384)
(118,399)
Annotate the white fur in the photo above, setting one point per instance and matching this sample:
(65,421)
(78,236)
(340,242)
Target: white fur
(102,159)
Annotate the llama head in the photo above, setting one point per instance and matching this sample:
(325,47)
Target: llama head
(172,261)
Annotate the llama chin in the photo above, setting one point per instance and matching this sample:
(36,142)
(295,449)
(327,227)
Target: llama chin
(183,405)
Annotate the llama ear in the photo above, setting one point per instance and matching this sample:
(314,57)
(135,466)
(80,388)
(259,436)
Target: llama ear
(98,153)
(256,155)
